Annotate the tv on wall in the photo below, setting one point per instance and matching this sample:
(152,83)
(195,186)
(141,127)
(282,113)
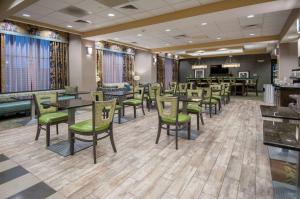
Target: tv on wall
(216,70)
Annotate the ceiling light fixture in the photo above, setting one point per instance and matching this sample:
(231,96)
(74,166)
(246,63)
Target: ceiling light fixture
(230,63)
(223,49)
(111,14)
(190,42)
(251,34)
(250,16)
(69,26)
(218,38)
(199,65)
(139,35)
(204,24)
(26,15)
(168,30)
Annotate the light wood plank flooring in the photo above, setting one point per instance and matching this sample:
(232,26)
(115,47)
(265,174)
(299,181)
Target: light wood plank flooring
(228,159)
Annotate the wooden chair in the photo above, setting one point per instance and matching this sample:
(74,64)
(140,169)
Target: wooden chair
(48,116)
(101,123)
(171,118)
(195,107)
(252,84)
(137,100)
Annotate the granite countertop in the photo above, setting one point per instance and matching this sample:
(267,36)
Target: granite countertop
(281,134)
(297,85)
(279,112)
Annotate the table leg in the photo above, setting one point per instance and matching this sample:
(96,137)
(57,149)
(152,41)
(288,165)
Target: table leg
(32,114)
(71,119)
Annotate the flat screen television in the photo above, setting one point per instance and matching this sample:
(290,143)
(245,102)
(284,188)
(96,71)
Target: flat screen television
(217,70)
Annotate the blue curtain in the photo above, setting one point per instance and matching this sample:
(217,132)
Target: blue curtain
(27,64)
(112,67)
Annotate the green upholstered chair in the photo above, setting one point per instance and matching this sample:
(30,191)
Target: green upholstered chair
(226,92)
(137,100)
(216,90)
(252,85)
(172,88)
(182,87)
(48,116)
(210,101)
(170,117)
(101,123)
(153,91)
(195,107)
(99,96)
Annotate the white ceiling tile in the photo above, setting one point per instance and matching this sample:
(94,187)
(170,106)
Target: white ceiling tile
(185,4)
(40,10)
(53,4)
(160,11)
(91,6)
(150,4)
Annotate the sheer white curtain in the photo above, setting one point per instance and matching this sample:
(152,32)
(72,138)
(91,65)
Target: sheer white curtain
(168,71)
(27,64)
(113,64)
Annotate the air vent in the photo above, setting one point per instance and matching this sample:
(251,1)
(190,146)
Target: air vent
(252,26)
(74,11)
(113,3)
(180,36)
(82,21)
(129,7)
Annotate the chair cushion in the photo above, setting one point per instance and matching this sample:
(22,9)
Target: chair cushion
(87,126)
(217,97)
(182,118)
(118,107)
(133,102)
(50,118)
(194,108)
(213,101)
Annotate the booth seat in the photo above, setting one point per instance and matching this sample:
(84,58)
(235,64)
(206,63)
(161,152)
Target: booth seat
(10,106)
(122,85)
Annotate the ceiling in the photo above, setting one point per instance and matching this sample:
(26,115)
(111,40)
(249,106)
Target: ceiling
(268,19)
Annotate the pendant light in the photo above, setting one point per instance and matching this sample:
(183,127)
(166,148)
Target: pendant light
(199,65)
(231,63)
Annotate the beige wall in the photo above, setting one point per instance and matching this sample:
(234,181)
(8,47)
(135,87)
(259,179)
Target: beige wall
(144,67)
(288,60)
(82,66)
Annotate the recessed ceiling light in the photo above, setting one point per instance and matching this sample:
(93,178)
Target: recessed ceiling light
(26,15)
(204,24)
(90,12)
(218,38)
(167,44)
(116,38)
(69,26)
(223,49)
(168,30)
(89,21)
(190,42)
(111,14)
(251,34)
(139,35)
(250,16)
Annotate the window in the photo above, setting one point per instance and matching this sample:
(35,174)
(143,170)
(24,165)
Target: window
(27,65)
(113,64)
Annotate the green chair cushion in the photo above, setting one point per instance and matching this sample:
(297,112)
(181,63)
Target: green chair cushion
(182,118)
(213,101)
(194,108)
(55,117)
(132,102)
(87,126)
(217,97)
(118,107)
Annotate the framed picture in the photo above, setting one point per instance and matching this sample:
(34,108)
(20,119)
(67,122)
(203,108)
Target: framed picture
(199,73)
(244,74)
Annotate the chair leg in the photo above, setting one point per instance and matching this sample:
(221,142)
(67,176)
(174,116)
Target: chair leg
(134,111)
(189,130)
(143,108)
(111,136)
(38,131)
(176,137)
(256,91)
(148,105)
(119,116)
(56,129)
(220,104)
(198,118)
(158,133)
(72,135)
(215,108)
(210,109)
(47,135)
(94,148)
(168,129)
(201,117)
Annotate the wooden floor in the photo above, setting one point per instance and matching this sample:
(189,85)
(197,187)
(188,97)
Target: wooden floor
(228,159)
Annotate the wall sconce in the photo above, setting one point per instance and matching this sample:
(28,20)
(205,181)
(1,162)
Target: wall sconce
(89,50)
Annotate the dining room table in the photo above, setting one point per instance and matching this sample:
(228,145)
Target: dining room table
(63,147)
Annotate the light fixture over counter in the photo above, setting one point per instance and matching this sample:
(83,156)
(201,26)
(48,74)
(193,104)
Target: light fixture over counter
(231,63)
(199,66)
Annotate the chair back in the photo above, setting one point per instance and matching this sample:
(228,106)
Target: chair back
(138,92)
(195,92)
(182,87)
(154,90)
(173,86)
(97,96)
(216,89)
(71,89)
(167,112)
(99,107)
(226,88)
(45,97)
